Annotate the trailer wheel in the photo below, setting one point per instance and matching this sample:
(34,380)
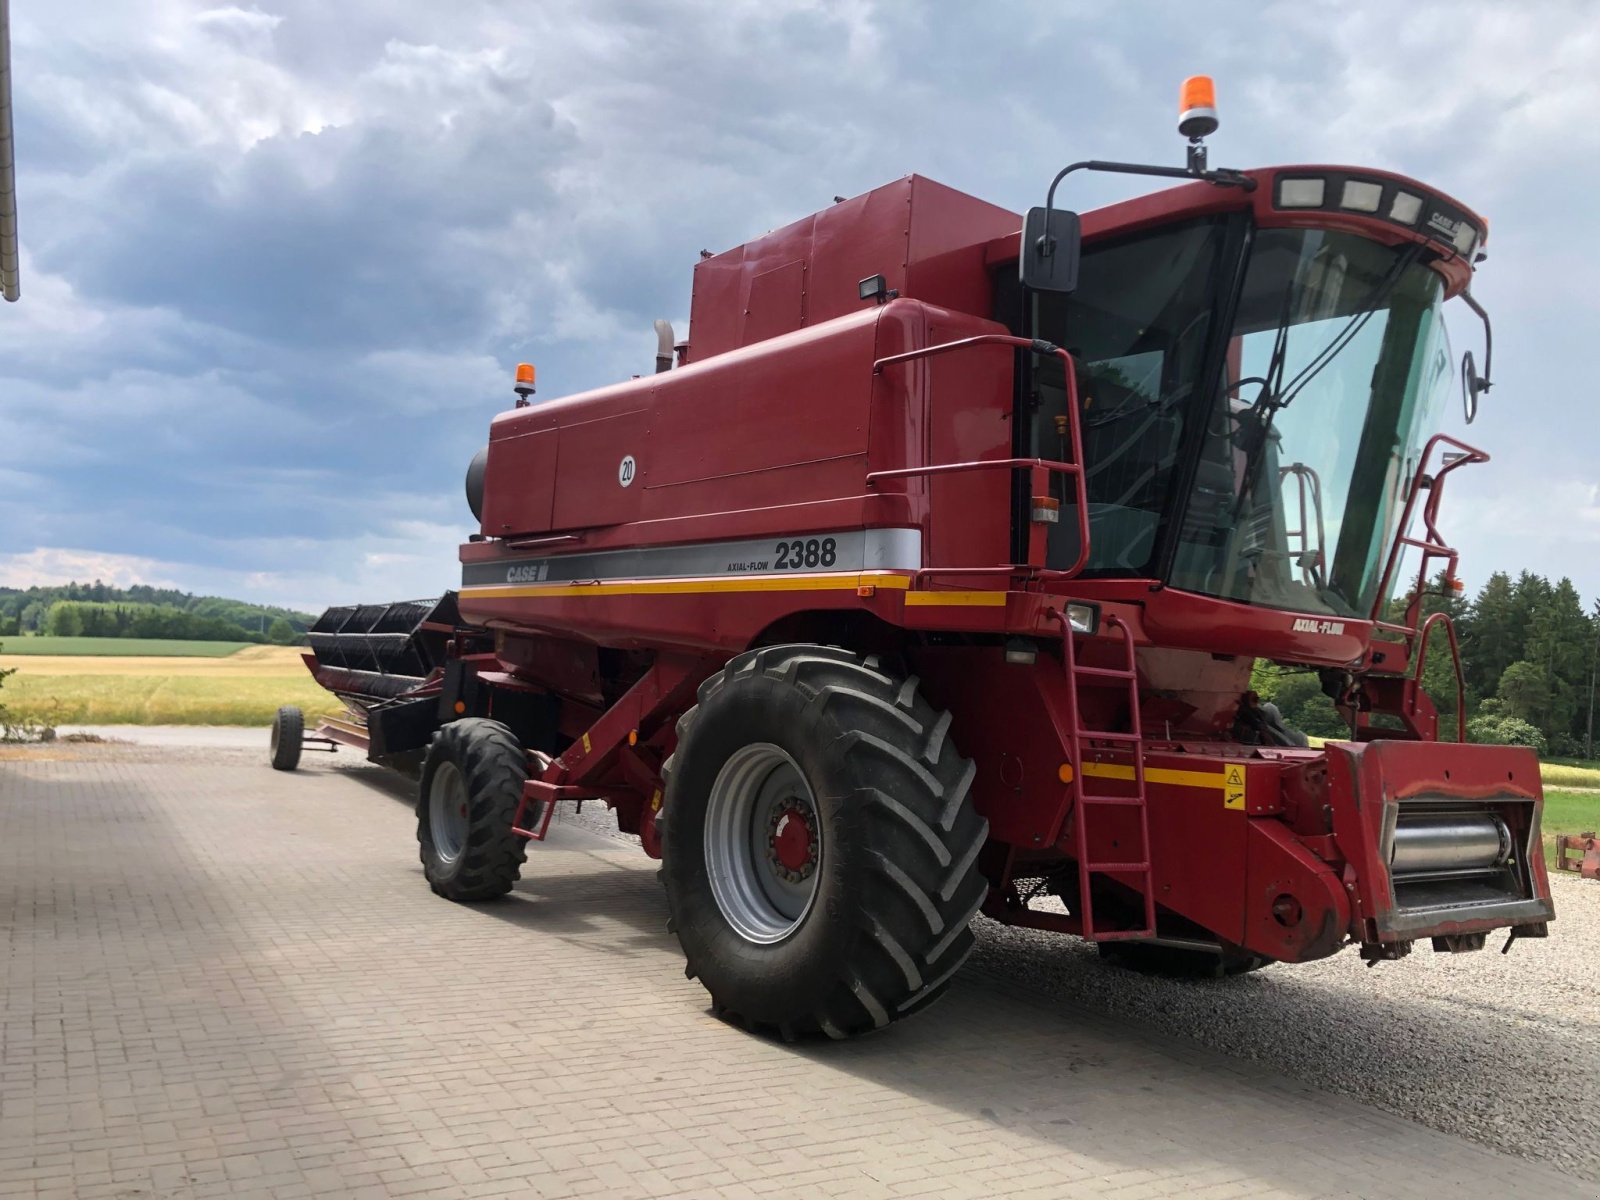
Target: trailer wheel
(471,783)
(1173,962)
(819,847)
(288,727)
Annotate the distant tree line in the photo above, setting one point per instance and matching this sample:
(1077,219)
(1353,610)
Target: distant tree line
(100,610)
(1529,654)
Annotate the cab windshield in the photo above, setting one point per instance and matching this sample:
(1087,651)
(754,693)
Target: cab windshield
(1336,370)
(1333,374)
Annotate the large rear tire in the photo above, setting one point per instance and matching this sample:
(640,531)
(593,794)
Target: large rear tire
(819,846)
(471,783)
(288,728)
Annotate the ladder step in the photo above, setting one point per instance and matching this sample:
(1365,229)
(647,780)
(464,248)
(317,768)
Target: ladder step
(1123,935)
(1105,673)
(1121,801)
(1107,735)
(1101,868)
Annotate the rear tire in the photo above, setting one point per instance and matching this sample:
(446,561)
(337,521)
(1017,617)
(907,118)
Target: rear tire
(860,919)
(471,784)
(288,728)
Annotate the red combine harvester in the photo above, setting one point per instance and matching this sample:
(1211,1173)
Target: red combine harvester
(926,580)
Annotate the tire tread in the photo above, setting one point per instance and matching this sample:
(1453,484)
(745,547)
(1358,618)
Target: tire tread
(922,886)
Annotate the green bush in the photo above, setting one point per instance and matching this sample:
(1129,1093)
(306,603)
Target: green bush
(1499,730)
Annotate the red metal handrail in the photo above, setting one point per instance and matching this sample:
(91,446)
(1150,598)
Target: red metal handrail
(1433,546)
(1073,470)
(1444,619)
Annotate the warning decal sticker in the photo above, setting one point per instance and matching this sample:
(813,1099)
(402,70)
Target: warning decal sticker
(1233,788)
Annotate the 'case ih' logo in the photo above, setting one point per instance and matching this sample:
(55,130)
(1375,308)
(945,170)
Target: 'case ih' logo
(530,574)
(1444,224)
(1307,625)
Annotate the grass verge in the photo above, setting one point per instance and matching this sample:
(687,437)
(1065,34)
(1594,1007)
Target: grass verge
(101,647)
(1568,812)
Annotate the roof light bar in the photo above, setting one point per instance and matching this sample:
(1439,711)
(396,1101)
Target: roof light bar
(1361,195)
(1301,193)
(1405,208)
(1336,191)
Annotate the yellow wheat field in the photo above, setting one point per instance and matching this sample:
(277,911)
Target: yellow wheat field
(242,689)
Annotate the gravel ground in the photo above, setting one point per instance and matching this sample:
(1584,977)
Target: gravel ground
(1501,1049)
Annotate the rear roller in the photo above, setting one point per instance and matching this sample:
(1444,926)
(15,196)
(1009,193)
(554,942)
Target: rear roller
(819,849)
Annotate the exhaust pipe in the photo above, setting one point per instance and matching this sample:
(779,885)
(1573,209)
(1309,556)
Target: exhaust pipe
(10,254)
(664,341)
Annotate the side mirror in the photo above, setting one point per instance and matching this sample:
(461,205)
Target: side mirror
(1051,247)
(1473,385)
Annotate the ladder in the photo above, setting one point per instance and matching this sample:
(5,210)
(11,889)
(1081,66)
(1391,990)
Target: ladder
(1085,802)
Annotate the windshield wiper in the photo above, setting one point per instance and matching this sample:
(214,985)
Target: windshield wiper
(1275,395)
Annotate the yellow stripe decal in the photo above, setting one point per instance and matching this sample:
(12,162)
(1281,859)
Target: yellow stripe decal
(1205,779)
(1230,781)
(963,599)
(667,587)
(752,583)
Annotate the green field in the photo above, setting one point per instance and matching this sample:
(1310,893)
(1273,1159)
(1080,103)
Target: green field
(118,647)
(1568,812)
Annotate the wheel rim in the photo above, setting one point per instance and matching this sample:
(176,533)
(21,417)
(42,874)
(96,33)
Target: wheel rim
(277,725)
(763,843)
(447,811)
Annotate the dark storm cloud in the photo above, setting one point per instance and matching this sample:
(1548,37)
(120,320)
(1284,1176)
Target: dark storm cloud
(280,257)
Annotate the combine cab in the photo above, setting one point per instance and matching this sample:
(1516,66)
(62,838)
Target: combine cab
(926,579)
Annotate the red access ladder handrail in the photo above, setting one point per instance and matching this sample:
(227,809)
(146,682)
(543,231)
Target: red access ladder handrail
(1082,800)
(1449,624)
(1433,546)
(1073,470)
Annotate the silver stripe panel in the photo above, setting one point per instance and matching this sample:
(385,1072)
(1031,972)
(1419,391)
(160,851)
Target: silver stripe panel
(850,550)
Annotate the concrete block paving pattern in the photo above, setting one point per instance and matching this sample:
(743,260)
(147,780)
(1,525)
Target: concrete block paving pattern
(220,980)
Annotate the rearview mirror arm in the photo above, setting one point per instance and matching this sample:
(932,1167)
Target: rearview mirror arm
(1221,177)
(1488,341)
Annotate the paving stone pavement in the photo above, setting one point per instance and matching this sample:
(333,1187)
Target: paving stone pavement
(221,980)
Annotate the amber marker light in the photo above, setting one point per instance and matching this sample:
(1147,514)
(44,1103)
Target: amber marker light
(1197,107)
(524,384)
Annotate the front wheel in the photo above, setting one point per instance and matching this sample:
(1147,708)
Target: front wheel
(471,783)
(819,846)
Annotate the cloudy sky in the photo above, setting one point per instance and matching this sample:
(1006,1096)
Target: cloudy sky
(279,259)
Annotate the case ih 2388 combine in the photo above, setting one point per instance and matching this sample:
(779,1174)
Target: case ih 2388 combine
(928,581)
